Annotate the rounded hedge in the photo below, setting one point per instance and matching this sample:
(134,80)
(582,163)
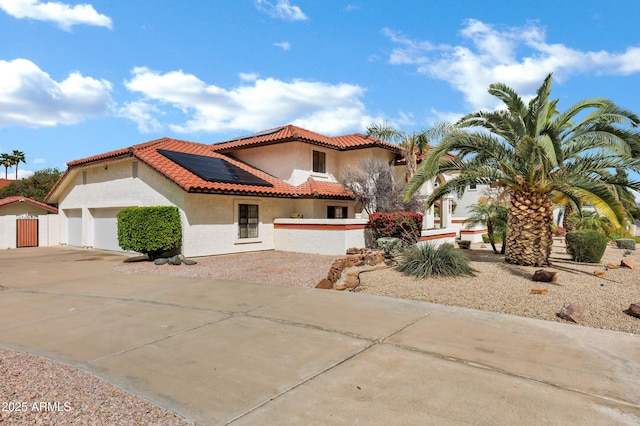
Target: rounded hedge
(586,245)
(149,230)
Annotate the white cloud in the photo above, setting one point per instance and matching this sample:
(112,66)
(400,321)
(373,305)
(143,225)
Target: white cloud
(39,161)
(253,105)
(248,76)
(520,57)
(142,114)
(285,45)
(282,9)
(30,97)
(61,14)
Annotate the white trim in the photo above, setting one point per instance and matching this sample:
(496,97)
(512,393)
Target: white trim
(236,220)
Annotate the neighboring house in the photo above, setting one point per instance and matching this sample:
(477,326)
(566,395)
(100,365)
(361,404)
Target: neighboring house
(234,196)
(4,182)
(25,223)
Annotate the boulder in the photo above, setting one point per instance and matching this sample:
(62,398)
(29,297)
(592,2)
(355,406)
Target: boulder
(628,262)
(571,312)
(464,244)
(175,260)
(544,276)
(634,310)
(325,284)
(161,261)
(189,262)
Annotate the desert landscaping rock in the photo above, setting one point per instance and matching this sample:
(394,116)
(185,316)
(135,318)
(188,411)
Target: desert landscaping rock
(161,261)
(545,276)
(634,310)
(189,262)
(324,284)
(628,262)
(571,312)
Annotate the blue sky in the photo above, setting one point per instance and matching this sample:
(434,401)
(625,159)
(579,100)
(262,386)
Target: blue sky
(82,78)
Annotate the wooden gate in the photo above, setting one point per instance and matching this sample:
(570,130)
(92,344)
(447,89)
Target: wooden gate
(27,230)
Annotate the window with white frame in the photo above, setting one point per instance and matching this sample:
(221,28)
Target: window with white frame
(473,187)
(247,221)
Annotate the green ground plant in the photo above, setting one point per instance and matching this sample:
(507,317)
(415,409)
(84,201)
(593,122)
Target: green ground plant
(586,245)
(626,243)
(425,260)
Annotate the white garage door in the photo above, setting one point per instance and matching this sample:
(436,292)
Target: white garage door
(74,227)
(105,229)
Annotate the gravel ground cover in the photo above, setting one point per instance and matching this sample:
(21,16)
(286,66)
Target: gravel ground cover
(501,287)
(270,267)
(38,391)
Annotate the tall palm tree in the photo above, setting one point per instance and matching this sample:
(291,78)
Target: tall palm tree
(17,158)
(533,151)
(7,161)
(413,145)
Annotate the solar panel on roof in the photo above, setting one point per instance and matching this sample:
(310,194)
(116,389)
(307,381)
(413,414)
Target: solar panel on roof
(255,135)
(213,169)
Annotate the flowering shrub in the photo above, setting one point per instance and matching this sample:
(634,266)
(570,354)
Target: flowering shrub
(404,225)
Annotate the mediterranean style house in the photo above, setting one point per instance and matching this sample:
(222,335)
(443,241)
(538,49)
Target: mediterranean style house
(276,189)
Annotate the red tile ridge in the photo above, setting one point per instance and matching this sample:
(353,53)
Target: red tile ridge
(20,199)
(290,133)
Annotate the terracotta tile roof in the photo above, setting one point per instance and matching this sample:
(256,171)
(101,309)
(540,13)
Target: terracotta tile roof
(4,182)
(19,199)
(190,182)
(291,133)
(314,187)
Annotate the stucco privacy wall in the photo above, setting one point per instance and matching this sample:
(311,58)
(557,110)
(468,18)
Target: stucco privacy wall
(48,226)
(319,236)
(8,231)
(112,186)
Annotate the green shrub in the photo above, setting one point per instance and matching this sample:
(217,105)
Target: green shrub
(404,225)
(149,230)
(425,260)
(626,243)
(586,245)
(485,238)
(392,246)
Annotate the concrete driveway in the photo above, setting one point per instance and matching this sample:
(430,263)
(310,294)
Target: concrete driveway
(218,352)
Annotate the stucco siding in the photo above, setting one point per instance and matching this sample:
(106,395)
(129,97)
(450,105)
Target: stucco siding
(106,189)
(211,223)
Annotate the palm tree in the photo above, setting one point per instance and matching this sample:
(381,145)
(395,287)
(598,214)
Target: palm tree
(493,215)
(7,161)
(413,145)
(533,151)
(17,158)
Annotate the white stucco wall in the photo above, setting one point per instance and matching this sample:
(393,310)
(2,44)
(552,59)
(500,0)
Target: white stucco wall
(319,236)
(436,237)
(293,161)
(48,230)
(110,186)
(8,231)
(210,223)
